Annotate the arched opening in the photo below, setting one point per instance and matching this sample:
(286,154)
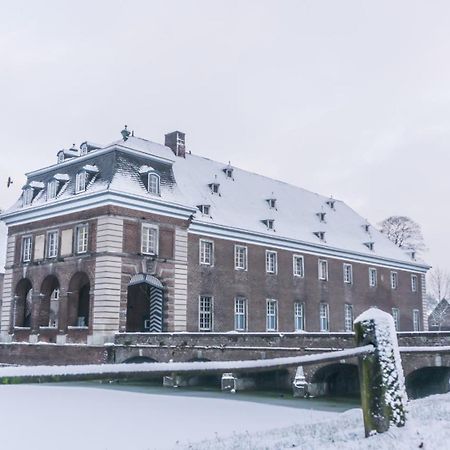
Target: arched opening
(139,360)
(202,380)
(145,304)
(23,301)
(427,381)
(336,380)
(79,300)
(49,302)
(273,380)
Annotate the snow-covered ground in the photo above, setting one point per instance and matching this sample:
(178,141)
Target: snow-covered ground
(57,417)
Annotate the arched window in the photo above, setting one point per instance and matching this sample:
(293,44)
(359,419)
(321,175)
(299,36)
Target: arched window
(153,183)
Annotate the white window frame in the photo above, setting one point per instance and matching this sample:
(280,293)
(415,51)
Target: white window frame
(299,316)
(298,269)
(240,257)
(204,209)
(153,187)
(348,273)
(203,255)
(271,262)
(80,182)
(271,314)
(416,320)
(414,281)
(323,273)
(205,313)
(396,317)
(52,246)
(394,280)
(52,189)
(373,277)
(240,313)
(324,317)
(81,238)
(148,231)
(27,198)
(348,317)
(27,248)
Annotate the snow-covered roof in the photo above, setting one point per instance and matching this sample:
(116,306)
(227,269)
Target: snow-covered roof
(241,202)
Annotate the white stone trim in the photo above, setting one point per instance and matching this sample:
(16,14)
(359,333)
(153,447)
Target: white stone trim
(180,281)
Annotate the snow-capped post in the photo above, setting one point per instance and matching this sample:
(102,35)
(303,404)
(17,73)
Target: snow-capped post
(383,394)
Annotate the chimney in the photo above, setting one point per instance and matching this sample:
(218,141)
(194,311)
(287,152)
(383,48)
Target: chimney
(176,141)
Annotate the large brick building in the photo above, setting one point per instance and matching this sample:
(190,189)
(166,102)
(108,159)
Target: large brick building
(138,236)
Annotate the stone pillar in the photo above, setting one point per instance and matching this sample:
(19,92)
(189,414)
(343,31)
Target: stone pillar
(300,385)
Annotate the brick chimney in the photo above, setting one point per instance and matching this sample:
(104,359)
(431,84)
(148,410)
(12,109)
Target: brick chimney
(176,141)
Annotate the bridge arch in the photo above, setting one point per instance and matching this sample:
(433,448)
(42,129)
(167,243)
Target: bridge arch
(339,379)
(139,360)
(427,381)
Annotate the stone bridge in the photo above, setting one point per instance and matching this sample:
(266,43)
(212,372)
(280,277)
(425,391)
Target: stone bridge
(427,370)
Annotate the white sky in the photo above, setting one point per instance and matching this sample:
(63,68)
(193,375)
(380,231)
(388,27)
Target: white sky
(348,98)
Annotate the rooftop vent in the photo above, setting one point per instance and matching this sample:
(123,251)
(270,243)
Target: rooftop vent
(177,142)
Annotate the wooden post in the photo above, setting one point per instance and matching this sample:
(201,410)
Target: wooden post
(383,395)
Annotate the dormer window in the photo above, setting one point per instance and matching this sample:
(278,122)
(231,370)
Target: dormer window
(269,223)
(214,188)
(153,183)
(366,227)
(321,216)
(27,196)
(204,209)
(52,189)
(83,150)
(80,182)
(369,245)
(60,157)
(228,171)
(320,235)
(330,202)
(272,202)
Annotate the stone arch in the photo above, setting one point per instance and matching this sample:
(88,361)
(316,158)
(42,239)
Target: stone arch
(145,301)
(427,381)
(79,300)
(337,379)
(49,302)
(23,301)
(139,360)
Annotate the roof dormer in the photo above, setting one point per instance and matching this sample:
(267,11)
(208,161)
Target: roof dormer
(331,203)
(269,223)
(214,187)
(272,202)
(204,209)
(366,227)
(64,155)
(87,147)
(228,171)
(370,245)
(320,235)
(321,215)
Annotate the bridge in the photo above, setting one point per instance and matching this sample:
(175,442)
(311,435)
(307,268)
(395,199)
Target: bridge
(425,357)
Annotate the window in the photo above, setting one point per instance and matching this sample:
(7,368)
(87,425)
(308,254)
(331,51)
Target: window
(414,283)
(149,239)
(394,280)
(60,157)
(240,314)
(321,216)
(269,223)
(299,316)
(323,269)
(153,183)
(27,243)
(214,188)
(331,203)
(324,317)
(370,245)
(206,252)
(228,172)
(27,196)
(348,274)
(52,244)
(81,243)
(272,202)
(299,266)
(416,320)
(52,189)
(205,315)
(272,315)
(240,257)
(396,316)
(80,182)
(348,318)
(372,277)
(271,261)
(204,209)
(320,235)
(83,150)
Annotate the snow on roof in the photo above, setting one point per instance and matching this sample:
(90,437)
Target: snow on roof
(241,203)
(90,168)
(36,184)
(61,177)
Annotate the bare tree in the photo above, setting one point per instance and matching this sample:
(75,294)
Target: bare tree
(440,315)
(439,284)
(403,232)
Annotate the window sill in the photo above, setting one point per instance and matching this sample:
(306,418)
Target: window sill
(22,328)
(48,328)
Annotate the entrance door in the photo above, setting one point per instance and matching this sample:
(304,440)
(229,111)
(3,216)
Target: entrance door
(145,304)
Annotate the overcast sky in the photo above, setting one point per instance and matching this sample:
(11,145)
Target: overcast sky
(349,98)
